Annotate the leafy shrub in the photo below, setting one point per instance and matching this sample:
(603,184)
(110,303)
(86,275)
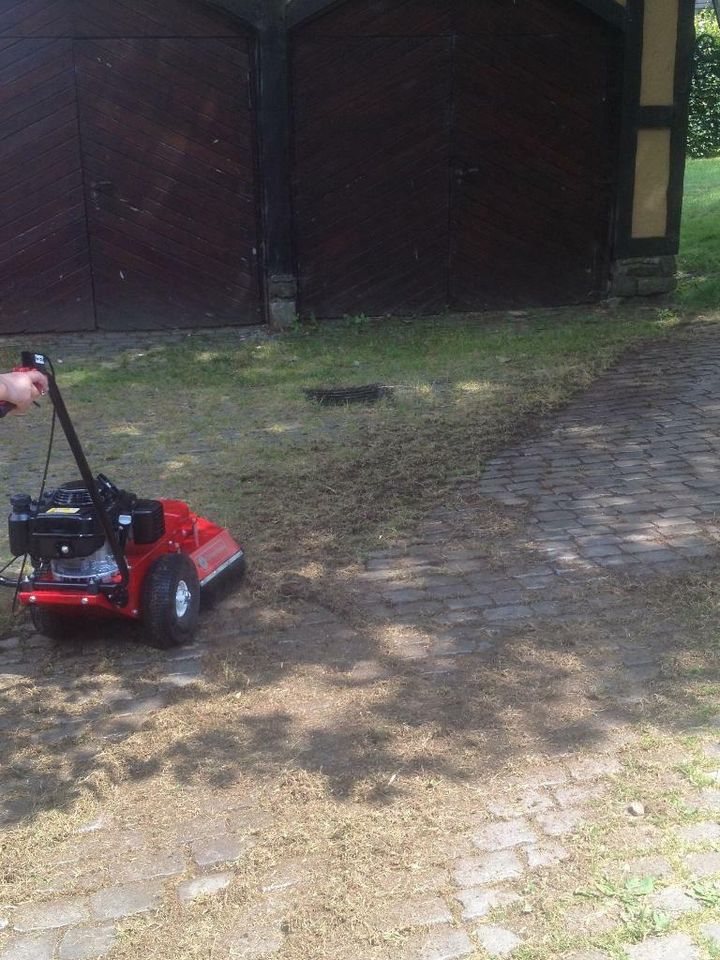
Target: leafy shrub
(704,129)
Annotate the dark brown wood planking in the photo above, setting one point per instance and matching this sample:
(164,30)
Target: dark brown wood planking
(471,158)
(127,166)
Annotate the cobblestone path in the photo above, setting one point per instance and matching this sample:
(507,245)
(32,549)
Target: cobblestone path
(619,490)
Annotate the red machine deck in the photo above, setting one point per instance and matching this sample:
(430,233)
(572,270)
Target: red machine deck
(210,547)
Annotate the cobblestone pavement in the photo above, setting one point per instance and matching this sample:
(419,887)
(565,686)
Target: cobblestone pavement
(626,481)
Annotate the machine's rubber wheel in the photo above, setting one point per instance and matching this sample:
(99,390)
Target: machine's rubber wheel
(55,624)
(171,601)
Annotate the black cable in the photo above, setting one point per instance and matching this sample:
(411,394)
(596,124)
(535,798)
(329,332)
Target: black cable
(18,584)
(9,563)
(46,471)
(51,441)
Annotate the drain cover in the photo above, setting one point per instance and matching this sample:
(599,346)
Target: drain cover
(341,395)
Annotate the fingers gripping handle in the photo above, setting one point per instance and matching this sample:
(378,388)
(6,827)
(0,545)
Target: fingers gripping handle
(6,408)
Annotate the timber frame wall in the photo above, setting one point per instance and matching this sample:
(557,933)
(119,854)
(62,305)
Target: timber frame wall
(652,141)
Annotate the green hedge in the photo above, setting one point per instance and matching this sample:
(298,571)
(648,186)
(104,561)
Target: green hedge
(704,131)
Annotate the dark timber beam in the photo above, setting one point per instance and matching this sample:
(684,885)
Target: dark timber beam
(274,120)
(628,128)
(248,11)
(678,142)
(636,118)
(300,10)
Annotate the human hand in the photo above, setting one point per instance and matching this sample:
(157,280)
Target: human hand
(22,389)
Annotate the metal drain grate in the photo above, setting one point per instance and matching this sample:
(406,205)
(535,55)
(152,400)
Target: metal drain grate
(341,395)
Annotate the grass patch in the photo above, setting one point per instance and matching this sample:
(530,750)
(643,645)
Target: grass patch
(700,244)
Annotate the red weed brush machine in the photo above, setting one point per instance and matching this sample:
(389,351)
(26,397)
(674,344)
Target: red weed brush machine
(96,550)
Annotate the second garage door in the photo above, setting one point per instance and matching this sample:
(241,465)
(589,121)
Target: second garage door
(471,161)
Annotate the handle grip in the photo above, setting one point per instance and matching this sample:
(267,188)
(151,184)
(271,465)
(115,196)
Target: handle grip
(6,408)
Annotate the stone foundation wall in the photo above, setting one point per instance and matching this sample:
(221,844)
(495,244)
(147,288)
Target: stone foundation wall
(643,276)
(282,301)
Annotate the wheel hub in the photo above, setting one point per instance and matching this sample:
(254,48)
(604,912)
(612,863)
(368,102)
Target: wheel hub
(183,596)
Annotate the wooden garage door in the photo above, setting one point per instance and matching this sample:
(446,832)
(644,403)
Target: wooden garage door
(533,159)
(45,278)
(371,184)
(452,155)
(136,139)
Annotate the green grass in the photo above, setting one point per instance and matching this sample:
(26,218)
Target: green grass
(700,244)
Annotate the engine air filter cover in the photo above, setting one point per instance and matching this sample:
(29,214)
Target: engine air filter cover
(148,521)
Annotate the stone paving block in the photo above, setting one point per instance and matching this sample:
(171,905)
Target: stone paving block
(151,866)
(200,826)
(572,796)
(102,822)
(476,602)
(639,657)
(543,777)
(498,941)
(592,918)
(222,849)
(546,855)
(366,671)
(183,674)
(117,728)
(705,832)
(444,943)
(249,821)
(479,901)
(600,550)
(709,930)
(87,943)
(420,608)
(204,886)
(702,864)
(439,666)
(35,947)
(592,768)
(530,802)
(292,873)
(50,915)
(134,707)
(416,913)
(501,836)
(674,901)
(651,866)
(126,900)
(256,943)
(512,612)
(539,583)
(197,650)
(452,647)
(677,946)
(492,868)
(590,954)
(560,823)
(405,595)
